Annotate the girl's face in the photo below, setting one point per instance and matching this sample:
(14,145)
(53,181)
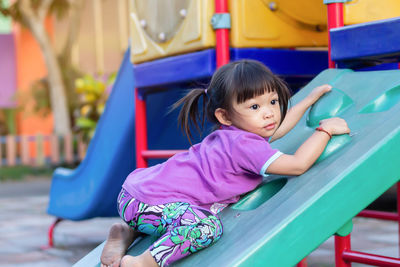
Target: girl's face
(260,115)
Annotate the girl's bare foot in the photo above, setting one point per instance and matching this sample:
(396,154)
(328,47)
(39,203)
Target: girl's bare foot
(143,260)
(119,239)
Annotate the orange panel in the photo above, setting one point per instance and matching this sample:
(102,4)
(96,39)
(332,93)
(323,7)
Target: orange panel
(30,67)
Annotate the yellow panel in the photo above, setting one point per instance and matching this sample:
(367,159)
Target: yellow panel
(358,11)
(261,23)
(194,33)
(311,12)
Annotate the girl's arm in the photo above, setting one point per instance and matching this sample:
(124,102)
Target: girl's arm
(309,151)
(295,113)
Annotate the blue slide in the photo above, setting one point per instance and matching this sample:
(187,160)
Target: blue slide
(92,188)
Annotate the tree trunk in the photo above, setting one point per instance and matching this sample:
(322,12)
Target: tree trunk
(62,123)
(34,19)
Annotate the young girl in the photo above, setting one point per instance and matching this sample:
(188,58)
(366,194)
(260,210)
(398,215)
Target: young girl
(178,200)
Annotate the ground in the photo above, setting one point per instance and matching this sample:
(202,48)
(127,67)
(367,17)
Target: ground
(24,224)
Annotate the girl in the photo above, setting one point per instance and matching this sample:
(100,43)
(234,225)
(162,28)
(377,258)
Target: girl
(178,200)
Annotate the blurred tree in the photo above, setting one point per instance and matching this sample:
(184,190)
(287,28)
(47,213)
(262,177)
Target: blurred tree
(93,94)
(32,15)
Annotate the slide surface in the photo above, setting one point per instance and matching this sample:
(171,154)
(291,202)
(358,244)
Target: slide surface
(286,218)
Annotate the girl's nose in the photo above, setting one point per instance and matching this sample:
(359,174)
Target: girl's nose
(268,114)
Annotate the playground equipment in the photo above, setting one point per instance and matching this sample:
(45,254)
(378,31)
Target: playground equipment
(344,254)
(325,191)
(165,28)
(297,214)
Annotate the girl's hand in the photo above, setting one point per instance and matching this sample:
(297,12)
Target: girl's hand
(319,91)
(335,126)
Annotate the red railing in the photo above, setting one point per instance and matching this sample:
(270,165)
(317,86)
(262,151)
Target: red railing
(222,57)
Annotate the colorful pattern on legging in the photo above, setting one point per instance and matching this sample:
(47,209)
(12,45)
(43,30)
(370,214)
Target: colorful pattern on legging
(181,228)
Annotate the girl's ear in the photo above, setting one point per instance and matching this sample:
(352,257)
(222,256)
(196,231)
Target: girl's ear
(223,116)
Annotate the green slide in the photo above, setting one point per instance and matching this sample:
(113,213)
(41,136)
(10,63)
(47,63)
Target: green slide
(286,218)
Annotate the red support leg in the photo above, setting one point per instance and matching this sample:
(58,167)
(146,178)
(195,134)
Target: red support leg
(51,234)
(335,19)
(342,243)
(398,213)
(303,263)
(141,129)
(222,36)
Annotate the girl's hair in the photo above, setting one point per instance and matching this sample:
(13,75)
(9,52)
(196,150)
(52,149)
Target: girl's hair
(240,80)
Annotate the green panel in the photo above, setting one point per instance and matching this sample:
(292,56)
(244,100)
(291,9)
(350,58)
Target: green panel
(384,102)
(330,105)
(335,144)
(258,196)
(5,22)
(280,224)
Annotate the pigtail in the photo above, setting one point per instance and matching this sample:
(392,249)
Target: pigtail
(190,113)
(284,96)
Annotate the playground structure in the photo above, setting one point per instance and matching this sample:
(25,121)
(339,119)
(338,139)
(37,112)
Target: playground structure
(325,184)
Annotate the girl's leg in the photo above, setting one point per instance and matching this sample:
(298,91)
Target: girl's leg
(184,229)
(196,229)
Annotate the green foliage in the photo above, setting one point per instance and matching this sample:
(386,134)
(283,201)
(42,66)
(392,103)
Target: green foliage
(92,100)
(41,94)
(3,126)
(21,172)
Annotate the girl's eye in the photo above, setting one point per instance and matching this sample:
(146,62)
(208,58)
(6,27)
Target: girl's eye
(254,107)
(273,102)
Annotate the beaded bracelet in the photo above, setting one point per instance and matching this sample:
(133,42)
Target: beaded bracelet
(323,130)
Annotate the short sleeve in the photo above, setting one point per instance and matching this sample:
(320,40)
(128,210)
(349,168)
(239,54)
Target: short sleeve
(253,153)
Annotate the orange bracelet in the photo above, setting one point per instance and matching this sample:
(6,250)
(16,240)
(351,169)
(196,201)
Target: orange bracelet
(325,131)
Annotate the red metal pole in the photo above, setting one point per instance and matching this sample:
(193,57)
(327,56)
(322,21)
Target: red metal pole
(160,154)
(141,129)
(50,234)
(222,36)
(383,215)
(342,244)
(398,214)
(303,263)
(370,259)
(335,19)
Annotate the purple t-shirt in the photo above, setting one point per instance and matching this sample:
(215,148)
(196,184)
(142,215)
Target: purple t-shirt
(226,164)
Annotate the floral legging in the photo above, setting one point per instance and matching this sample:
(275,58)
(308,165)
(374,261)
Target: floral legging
(181,228)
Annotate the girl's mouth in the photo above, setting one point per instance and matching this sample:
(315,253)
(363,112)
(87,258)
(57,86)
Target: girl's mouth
(270,126)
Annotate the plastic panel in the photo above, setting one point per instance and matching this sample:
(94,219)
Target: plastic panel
(376,42)
(200,65)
